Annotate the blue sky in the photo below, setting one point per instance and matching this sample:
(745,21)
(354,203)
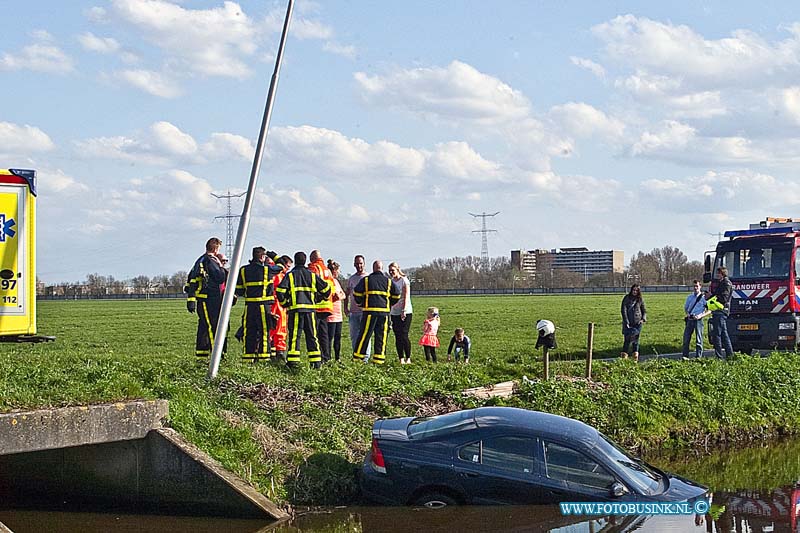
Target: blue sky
(623,125)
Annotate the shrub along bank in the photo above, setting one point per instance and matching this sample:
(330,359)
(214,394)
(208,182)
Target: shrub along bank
(300,437)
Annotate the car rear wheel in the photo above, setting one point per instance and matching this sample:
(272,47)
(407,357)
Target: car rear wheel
(435,500)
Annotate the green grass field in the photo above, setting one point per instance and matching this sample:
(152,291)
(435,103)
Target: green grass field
(299,436)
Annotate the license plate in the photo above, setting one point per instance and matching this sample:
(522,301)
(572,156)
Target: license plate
(748,327)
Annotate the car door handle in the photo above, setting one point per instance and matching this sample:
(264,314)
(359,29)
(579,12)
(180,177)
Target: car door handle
(469,474)
(556,492)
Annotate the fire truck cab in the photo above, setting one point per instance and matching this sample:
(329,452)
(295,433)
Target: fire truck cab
(763,265)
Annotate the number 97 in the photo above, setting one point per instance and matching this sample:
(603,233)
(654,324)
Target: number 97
(8,284)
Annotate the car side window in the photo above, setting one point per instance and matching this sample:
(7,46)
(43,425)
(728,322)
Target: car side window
(470,452)
(514,454)
(566,464)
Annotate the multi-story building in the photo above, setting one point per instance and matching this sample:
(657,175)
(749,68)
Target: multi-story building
(580,260)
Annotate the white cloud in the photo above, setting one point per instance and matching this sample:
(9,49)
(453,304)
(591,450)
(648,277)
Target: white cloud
(358,213)
(320,151)
(459,160)
(675,141)
(292,199)
(304,28)
(150,82)
(129,58)
(210,42)
(575,192)
(672,135)
(172,140)
(738,189)
(743,59)
(102,45)
(788,102)
(481,107)
(56,181)
(324,196)
(16,139)
(668,93)
(164,143)
(456,92)
(583,120)
(42,35)
(344,50)
(225,145)
(39,57)
(161,144)
(323,153)
(589,65)
(96,14)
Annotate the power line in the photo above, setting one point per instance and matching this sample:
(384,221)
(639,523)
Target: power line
(483,231)
(229,218)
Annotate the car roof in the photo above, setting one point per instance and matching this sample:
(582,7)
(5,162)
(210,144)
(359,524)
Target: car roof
(545,424)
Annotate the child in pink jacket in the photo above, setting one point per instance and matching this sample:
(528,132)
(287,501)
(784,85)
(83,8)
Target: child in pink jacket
(430,328)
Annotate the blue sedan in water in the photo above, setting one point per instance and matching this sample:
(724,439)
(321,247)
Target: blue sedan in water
(503,455)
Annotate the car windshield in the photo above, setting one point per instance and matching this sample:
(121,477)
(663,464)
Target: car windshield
(756,261)
(646,480)
(429,426)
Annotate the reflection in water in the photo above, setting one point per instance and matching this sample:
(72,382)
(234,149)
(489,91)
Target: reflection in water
(766,467)
(534,518)
(62,522)
(775,513)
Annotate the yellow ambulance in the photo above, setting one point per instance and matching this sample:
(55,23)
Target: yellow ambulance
(18,256)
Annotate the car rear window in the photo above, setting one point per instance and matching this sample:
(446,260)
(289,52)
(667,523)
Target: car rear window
(431,426)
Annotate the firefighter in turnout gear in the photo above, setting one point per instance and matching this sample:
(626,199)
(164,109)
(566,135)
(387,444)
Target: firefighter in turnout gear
(299,292)
(255,284)
(324,307)
(277,335)
(204,295)
(375,294)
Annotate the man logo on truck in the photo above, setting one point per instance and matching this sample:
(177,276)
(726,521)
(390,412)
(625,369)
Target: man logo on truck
(6,227)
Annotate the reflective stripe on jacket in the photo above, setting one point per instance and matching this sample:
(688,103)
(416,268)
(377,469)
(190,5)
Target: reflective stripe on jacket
(376,293)
(255,283)
(318,267)
(205,279)
(301,289)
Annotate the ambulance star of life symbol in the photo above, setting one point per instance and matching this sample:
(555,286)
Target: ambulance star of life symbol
(6,227)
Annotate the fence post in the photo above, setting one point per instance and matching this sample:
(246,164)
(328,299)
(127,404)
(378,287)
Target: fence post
(589,344)
(546,355)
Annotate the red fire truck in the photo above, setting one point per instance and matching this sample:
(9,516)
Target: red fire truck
(763,264)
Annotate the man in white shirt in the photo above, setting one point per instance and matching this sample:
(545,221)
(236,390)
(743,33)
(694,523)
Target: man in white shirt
(351,308)
(695,309)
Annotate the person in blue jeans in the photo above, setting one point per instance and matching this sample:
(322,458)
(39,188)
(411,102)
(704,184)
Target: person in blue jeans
(694,307)
(634,315)
(354,313)
(720,306)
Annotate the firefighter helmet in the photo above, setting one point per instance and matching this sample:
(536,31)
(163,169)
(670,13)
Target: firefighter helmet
(545,327)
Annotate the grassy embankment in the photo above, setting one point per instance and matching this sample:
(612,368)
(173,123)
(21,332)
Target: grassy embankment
(299,436)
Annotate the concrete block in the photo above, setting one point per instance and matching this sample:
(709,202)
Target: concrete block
(45,429)
(177,475)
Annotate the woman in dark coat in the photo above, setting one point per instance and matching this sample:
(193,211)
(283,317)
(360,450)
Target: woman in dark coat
(634,315)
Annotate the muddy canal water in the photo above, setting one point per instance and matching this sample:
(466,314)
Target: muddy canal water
(756,489)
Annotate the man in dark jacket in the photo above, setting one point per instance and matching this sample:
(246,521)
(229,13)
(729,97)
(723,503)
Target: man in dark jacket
(720,306)
(255,284)
(298,293)
(204,292)
(375,294)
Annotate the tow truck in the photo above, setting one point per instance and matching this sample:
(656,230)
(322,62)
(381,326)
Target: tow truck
(763,265)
